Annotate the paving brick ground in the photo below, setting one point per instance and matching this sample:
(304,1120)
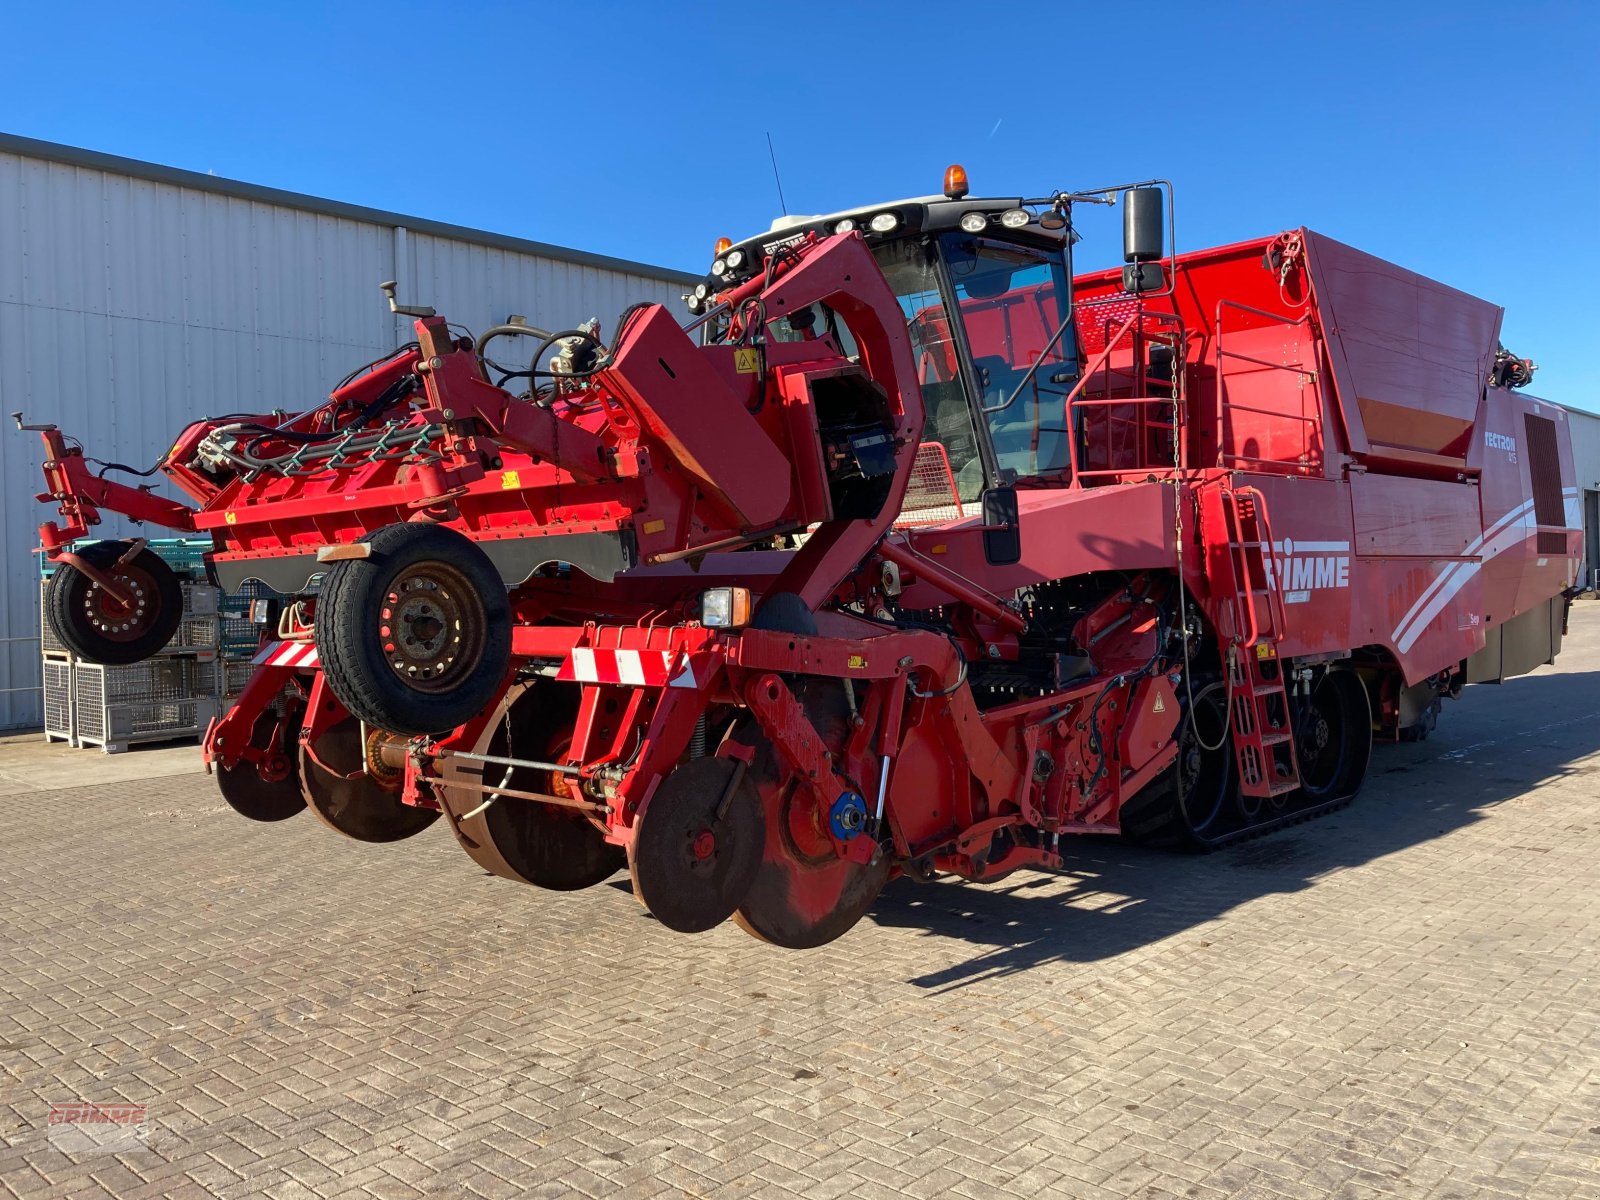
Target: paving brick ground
(1401,1000)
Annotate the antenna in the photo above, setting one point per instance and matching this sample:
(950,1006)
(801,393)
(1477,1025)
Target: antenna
(773,154)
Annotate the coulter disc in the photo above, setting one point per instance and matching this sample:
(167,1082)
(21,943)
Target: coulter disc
(803,895)
(351,802)
(271,796)
(542,844)
(698,846)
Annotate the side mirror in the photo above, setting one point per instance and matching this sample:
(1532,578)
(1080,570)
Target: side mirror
(1143,225)
(1002,537)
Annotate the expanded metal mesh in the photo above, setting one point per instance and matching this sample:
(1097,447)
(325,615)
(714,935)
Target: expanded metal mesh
(931,495)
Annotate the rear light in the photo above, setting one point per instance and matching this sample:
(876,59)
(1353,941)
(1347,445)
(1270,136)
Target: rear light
(725,608)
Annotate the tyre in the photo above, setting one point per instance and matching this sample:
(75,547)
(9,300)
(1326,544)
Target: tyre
(785,612)
(94,626)
(416,637)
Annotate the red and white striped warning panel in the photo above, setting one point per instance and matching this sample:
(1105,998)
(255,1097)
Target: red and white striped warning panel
(286,654)
(631,668)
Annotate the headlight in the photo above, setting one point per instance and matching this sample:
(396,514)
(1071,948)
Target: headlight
(883,222)
(720,267)
(1015,218)
(701,291)
(725,608)
(974,222)
(734,259)
(844,226)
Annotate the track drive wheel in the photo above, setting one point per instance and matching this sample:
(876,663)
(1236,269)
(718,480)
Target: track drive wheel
(353,802)
(269,790)
(1333,737)
(416,637)
(542,844)
(95,626)
(804,895)
(1192,801)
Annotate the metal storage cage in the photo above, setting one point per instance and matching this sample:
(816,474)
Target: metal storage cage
(58,722)
(159,699)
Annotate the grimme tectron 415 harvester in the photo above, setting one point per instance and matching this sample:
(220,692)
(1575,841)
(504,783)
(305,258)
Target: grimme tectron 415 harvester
(911,556)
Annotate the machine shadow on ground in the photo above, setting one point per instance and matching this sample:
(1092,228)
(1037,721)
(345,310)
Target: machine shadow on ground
(1494,744)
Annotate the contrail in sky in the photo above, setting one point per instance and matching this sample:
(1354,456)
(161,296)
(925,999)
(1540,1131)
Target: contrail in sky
(996,126)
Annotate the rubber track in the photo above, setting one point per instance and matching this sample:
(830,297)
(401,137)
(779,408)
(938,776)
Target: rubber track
(1272,825)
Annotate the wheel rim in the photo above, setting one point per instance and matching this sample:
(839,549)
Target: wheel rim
(1323,738)
(433,627)
(113,620)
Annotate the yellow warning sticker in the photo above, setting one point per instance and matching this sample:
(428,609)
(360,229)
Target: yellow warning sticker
(232,518)
(509,480)
(654,526)
(1263,650)
(1160,704)
(856,663)
(747,362)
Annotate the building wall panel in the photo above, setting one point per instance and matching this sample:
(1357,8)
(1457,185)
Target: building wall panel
(133,301)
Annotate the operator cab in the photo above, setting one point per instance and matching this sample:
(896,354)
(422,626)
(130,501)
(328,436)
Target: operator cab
(986,290)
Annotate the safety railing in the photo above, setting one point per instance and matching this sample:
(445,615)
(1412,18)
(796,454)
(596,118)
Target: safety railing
(1133,331)
(1227,407)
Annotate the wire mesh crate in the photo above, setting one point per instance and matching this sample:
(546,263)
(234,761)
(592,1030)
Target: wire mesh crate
(58,706)
(241,636)
(235,674)
(160,699)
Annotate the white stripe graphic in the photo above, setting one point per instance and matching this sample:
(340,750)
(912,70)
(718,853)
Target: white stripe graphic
(1507,538)
(1472,548)
(1296,546)
(629,670)
(583,665)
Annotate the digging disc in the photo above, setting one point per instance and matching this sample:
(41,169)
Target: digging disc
(358,808)
(251,795)
(804,896)
(541,844)
(691,866)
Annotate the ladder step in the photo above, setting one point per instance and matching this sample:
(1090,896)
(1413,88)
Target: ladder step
(1268,689)
(1275,739)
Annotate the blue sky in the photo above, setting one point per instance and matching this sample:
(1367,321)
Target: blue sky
(1461,140)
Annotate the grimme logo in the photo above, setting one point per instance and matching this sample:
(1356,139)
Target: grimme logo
(1307,566)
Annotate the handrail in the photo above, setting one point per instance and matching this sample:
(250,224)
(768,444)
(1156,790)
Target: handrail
(1224,405)
(1098,363)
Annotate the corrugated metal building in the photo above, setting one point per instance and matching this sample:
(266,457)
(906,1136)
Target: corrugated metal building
(1585,428)
(135,297)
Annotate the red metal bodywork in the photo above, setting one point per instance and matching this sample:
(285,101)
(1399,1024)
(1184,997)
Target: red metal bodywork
(1337,406)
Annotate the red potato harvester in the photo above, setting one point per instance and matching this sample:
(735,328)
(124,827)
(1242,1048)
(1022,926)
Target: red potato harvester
(922,555)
